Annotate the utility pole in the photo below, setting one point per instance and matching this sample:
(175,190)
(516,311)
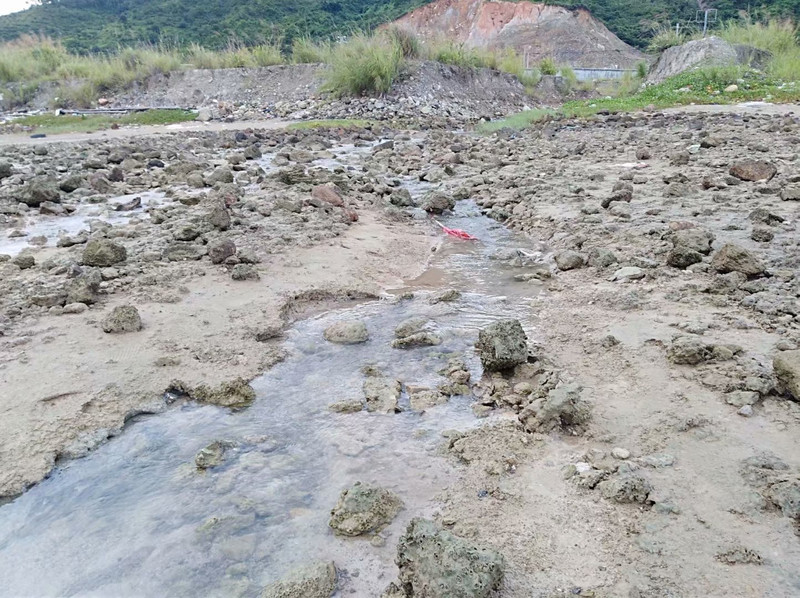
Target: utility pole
(709,16)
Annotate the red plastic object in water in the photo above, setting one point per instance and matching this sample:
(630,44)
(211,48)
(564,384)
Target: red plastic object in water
(454,232)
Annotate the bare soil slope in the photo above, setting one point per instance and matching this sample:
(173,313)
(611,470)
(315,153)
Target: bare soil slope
(538,30)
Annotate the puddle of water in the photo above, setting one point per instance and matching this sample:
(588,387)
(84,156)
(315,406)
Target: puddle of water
(135,518)
(53,227)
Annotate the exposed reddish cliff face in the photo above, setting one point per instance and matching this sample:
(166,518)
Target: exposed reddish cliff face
(572,37)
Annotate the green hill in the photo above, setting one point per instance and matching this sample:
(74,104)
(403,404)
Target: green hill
(100,25)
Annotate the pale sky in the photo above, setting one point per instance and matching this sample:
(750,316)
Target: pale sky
(7,6)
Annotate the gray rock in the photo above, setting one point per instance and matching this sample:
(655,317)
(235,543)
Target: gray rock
(6,170)
(346,406)
(732,258)
(219,217)
(72,183)
(38,191)
(180,251)
(600,257)
(103,253)
(350,332)
(235,394)
(502,346)
(244,272)
(434,563)
(569,260)
(123,318)
(696,239)
(83,289)
(626,488)
(628,273)
(786,365)
(222,174)
(409,327)
(683,257)
(362,509)
(709,51)
(317,580)
(685,350)
(187,232)
(790,193)
(437,202)
(401,198)
(785,494)
(24,261)
(445,296)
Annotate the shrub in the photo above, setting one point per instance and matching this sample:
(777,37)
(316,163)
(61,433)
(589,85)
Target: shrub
(362,65)
(569,76)
(665,37)
(408,42)
(548,66)
(774,36)
(641,70)
(306,51)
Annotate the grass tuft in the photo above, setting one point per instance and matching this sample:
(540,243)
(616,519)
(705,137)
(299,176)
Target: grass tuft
(364,65)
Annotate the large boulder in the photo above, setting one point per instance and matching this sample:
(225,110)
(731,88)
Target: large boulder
(38,191)
(434,563)
(709,51)
(502,346)
(103,253)
(317,580)
(787,370)
(732,258)
(362,509)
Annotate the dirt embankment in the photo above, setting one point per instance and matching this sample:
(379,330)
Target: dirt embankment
(538,31)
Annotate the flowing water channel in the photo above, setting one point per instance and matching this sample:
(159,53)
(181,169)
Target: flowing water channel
(136,518)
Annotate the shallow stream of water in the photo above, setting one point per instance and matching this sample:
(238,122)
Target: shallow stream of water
(136,518)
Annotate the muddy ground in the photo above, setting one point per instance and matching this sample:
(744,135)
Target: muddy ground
(683,481)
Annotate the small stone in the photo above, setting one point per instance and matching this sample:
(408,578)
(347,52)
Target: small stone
(244,272)
(24,261)
(502,346)
(221,250)
(103,253)
(419,339)
(445,296)
(569,260)
(786,365)
(628,273)
(346,407)
(317,580)
(212,456)
(746,411)
(621,453)
(753,170)
(732,258)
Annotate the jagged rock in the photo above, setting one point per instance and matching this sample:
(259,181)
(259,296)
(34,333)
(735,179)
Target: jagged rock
(786,365)
(123,318)
(409,327)
(709,51)
(362,509)
(6,170)
(732,258)
(329,194)
(445,296)
(24,261)
(696,239)
(103,253)
(686,350)
(563,407)
(347,333)
(219,217)
(236,394)
(600,257)
(424,398)
(181,251)
(317,580)
(626,488)
(502,346)
(381,393)
(753,170)
(39,190)
(790,193)
(346,406)
(222,174)
(401,198)
(72,183)
(434,563)
(83,289)
(418,339)
(212,455)
(785,494)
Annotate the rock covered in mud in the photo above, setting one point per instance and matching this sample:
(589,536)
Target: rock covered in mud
(123,318)
(362,509)
(236,394)
(381,392)
(317,580)
(502,346)
(350,332)
(563,407)
(434,563)
(753,170)
(786,366)
(103,253)
(732,258)
(629,487)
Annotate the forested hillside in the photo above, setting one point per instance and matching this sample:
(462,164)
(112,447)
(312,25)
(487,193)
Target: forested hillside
(94,25)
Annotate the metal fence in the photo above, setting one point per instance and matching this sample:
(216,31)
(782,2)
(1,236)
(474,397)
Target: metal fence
(598,74)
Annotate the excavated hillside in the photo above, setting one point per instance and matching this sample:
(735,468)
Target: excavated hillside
(537,30)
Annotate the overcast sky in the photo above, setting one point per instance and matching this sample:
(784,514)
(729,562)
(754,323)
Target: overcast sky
(7,6)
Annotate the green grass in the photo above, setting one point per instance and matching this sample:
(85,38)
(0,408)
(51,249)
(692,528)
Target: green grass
(779,37)
(704,86)
(364,65)
(51,124)
(330,124)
